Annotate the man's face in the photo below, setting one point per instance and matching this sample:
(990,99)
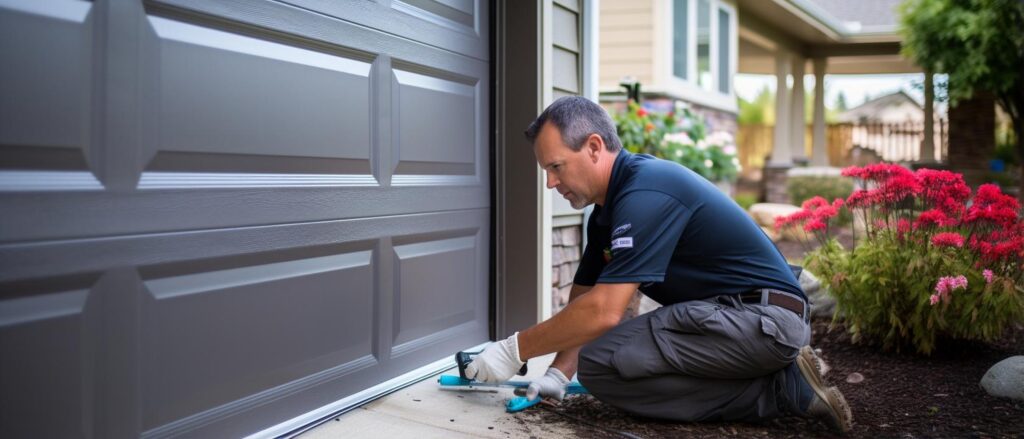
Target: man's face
(573,173)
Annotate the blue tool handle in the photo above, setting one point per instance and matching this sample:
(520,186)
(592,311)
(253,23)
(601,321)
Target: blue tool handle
(575,388)
(520,403)
(452,380)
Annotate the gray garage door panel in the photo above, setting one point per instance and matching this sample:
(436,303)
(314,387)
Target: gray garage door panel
(222,215)
(44,333)
(252,327)
(52,45)
(233,100)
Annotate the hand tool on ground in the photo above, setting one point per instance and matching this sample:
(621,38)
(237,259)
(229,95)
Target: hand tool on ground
(516,404)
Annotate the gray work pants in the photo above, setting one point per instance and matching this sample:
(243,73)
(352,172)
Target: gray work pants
(706,360)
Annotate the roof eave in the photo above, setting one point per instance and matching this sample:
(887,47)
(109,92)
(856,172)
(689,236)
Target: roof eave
(836,30)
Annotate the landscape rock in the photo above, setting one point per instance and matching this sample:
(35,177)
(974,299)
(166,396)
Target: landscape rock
(822,303)
(764,215)
(1006,378)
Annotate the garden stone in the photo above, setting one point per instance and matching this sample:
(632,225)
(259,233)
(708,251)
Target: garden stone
(1006,378)
(764,215)
(815,171)
(822,303)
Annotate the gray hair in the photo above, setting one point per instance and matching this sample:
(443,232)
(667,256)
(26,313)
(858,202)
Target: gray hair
(577,118)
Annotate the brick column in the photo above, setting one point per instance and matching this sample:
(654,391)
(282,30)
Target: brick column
(972,139)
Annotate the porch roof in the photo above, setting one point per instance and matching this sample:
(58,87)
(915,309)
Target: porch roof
(856,40)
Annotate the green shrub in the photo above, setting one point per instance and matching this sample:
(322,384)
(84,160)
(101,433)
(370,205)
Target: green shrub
(745,199)
(931,267)
(803,188)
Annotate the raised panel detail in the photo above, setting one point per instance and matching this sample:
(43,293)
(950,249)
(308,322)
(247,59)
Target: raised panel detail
(450,13)
(435,287)
(45,94)
(436,132)
(215,337)
(236,104)
(43,374)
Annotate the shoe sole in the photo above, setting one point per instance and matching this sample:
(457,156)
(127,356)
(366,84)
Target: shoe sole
(843,419)
(810,368)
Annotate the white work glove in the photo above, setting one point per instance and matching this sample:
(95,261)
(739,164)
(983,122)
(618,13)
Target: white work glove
(496,364)
(551,385)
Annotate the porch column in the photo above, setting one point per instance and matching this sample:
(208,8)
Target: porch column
(782,153)
(928,144)
(819,155)
(797,137)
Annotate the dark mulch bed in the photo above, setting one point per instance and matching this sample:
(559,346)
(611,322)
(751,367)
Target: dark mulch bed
(901,395)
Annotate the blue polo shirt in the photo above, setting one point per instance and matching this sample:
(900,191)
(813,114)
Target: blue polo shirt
(675,233)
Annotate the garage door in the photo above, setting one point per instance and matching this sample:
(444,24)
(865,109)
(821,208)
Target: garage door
(219,215)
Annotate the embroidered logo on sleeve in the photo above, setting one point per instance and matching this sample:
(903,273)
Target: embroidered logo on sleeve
(624,242)
(621,229)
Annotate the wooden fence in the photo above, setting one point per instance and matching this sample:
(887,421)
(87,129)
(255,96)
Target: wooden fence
(894,142)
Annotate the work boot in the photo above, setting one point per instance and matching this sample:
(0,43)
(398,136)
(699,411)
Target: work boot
(828,403)
(811,367)
(831,408)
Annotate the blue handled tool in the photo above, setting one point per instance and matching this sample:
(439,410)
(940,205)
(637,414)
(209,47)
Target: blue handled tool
(516,404)
(521,403)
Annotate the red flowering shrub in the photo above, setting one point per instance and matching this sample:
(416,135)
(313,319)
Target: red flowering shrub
(932,263)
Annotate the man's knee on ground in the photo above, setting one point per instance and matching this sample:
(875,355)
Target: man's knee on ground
(590,365)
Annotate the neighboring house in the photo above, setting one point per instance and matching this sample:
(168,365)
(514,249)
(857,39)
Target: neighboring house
(690,51)
(234,218)
(896,107)
(890,128)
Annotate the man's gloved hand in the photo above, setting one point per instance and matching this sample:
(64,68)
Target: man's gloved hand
(496,364)
(551,385)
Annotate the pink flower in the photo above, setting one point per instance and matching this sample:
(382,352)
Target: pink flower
(944,190)
(933,218)
(903,226)
(933,299)
(988,275)
(814,203)
(947,284)
(860,198)
(814,224)
(948,239)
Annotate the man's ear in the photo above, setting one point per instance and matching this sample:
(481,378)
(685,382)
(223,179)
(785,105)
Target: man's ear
(594,145)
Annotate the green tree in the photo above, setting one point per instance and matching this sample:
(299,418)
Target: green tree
(760,111)
(841,102)
(979,44)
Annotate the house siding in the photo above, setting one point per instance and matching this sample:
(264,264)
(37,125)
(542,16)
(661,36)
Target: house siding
(627,42)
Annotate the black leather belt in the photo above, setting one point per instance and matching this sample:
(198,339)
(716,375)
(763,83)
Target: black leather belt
(778,298)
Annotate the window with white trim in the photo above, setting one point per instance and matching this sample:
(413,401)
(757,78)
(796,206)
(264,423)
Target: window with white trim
(703,35)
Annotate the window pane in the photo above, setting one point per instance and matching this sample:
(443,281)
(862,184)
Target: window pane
(679,40)
(704,44)
(723,51)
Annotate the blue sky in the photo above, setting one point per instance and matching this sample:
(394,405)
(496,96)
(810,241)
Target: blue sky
(855,87)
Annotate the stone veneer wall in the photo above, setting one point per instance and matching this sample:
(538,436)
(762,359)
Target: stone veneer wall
(566,249)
